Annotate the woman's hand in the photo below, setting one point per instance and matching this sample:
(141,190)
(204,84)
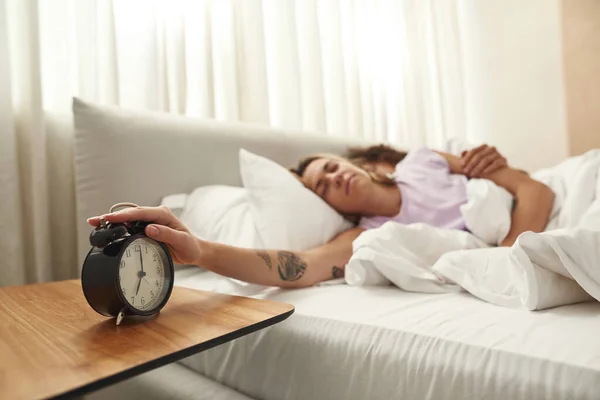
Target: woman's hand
(166,227)
(481,161)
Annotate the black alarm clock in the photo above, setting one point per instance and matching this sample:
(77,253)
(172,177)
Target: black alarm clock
(126,272)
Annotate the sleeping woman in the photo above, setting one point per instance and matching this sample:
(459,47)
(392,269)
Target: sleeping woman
(369,186)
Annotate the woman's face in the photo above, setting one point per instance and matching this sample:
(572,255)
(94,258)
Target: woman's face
(344,186)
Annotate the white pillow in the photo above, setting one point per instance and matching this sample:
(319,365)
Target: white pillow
(220,213)
(286,214)
(175,202)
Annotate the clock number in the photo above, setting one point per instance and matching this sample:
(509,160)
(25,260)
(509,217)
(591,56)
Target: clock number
(138,248)
(157,283)
(124,292)
(158,270)
(132,300)
(154,257)
(128,252)
(146,248)
(122,264)
(143,301)
(151,294)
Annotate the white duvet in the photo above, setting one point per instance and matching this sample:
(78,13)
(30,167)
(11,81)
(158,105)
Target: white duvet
(541,270)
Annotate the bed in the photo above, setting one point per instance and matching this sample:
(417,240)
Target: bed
(347,342)
(343,342)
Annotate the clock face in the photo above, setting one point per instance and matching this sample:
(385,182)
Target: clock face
(143,274)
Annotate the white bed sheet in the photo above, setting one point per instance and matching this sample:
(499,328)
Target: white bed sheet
(346,342)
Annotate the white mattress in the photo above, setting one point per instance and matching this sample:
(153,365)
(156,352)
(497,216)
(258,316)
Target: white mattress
(348,342)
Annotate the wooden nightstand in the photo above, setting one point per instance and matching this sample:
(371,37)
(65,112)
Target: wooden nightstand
(53,345)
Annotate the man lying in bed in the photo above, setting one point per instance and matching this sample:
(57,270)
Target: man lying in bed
(370,187)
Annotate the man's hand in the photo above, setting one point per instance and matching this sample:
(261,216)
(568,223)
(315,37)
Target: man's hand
(481,161)
(167,228)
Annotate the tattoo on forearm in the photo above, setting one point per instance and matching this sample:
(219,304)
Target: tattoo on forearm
(290,266)
(337,272)
(265,256)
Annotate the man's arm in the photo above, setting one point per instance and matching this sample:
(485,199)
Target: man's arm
(279,267)
(534,200)
(270,267)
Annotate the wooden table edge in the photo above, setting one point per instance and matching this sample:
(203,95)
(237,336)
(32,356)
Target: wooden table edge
(170,358)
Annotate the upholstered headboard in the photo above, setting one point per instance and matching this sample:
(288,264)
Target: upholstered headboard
(141,156)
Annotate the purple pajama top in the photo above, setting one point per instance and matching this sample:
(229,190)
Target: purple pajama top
(430,193)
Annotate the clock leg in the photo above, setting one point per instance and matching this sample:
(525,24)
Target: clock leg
(120,316)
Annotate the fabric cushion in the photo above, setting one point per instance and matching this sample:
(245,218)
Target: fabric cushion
(220,213)
(177,155)
(286,214)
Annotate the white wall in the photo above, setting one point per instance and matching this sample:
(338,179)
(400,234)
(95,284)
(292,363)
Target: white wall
(514,78)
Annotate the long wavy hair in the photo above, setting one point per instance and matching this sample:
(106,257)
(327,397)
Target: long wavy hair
(375,154)
(361,157)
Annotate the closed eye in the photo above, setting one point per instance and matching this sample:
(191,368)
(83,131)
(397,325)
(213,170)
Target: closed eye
(321,188)
(322,185)
(318,186)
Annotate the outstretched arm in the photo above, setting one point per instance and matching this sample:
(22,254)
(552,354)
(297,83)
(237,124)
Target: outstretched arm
(280,267)
(534,200)
(264,267)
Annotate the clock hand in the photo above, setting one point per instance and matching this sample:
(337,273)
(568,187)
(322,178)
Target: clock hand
(143,274)
(141,260)
(138,287)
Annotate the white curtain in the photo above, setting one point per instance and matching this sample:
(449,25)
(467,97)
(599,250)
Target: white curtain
(389,71)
